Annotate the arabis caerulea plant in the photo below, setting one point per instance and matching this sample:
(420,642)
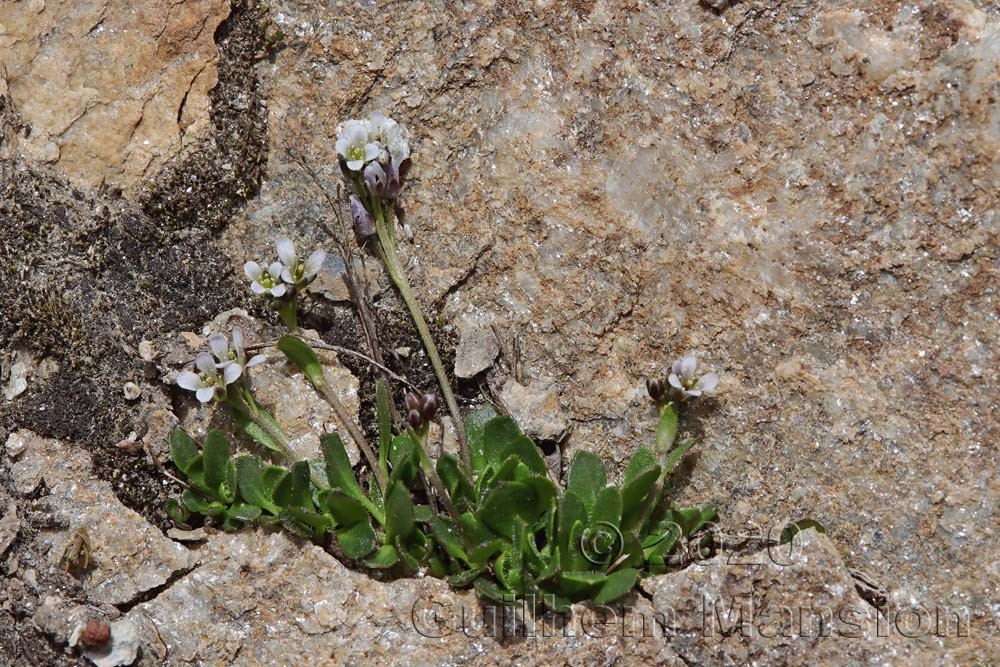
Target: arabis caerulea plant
(209,383)
(372,153)
(684,382)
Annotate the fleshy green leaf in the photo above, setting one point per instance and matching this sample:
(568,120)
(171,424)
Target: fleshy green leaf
(464,578)
(455,481)
(675,456)
(586,478)
(215,454)
(572,512)
(358,540)
(502,438)
(302,356)
(399,521)
(489,590)
(196,503)
(384,416)
(385,557)
(339,472)
(793,529)
(177,512)
(183,450)
(641,461)
(607,507)
(475,424)
(243,512)
(255,432)
(526,499)
(448,536)
(617,584)
(666,429)
(640,482)
(344,509)
(295,491)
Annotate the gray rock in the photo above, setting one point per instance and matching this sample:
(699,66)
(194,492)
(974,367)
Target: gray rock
(127,555)
(536,408)
(477,348)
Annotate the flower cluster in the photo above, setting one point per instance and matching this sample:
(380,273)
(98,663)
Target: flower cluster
(420,409)
(285,275)
(227,364)
(682,382)
(282,280)
(372,152)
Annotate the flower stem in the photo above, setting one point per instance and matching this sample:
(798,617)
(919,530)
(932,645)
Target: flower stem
(289,314)
(359,438)
(395,270)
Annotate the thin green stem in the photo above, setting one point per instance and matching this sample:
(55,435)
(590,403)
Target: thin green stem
(359,438)
(239,404)
(398,276)
(420,440)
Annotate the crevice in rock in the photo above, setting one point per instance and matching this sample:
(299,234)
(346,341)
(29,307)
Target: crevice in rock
(153,593)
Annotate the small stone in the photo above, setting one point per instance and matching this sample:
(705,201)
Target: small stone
(18,382)
(477,348)
(15,445)
(403,352)
(132,391)
(147,351)
(192,339)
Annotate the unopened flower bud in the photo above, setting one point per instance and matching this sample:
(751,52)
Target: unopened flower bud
(414,419)
(375,179)
(429,405)
(412,401)
(656,388)
(364,223)
(393,180)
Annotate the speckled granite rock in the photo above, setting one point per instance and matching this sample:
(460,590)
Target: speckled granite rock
(110,90)
(127,556)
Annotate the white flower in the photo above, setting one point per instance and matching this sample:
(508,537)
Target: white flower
(265,280)
(391,136)
(355,146)
(684,382)
(227,356)
(294,271)
(207,383)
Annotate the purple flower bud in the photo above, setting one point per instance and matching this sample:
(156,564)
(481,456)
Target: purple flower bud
(393,181)
(414,420)
(375,179)
(656,388)
(364,223)
(428,406)
(412,401)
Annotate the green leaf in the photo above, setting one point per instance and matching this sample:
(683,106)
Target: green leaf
(345,510)
(309,523)
(586,478)
(399,521)
(475,424)
(270,479)
(666,429)
(793,529)
(483,554)
(384,416)
(358,540)
(617,584)
(526,499)
(464,578)
(475,531)
(572,512)
(243,512)
(448,536)
(607,507)
(455,481)
(505,473)
(488,590)
(502,438)
(302,356)
(675,456)
(183,450)
(339,472)
(639,483)
(385,557)
(404,460)
(198,504)
(216,457)
(295,490)
(641,461)
(177,512)
(423,513)
(691,519)
(256,433)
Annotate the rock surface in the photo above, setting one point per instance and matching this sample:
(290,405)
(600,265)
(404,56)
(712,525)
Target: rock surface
(110,91)
(124,556)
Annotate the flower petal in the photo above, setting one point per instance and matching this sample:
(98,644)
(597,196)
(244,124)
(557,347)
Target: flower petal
(256,360)
(707,383)
(205,364)
(232,373)
(315,262)
(252,269)
(286,251)
(220,346)
(688,366)
(279,290)
(188,380)
(286,275)
(257,288)
(238,340)
(675,381)
(205,394)
(355,165)
(372,150)
(274,268)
